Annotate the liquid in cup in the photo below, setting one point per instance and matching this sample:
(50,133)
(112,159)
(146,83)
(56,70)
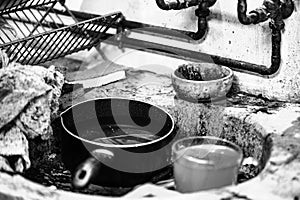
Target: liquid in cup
(205,166)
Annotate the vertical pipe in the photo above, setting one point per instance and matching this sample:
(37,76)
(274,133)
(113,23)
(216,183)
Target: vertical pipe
(276,52)
(276,26)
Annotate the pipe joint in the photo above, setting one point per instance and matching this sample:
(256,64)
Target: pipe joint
(274,8)
(270,9)
(277,25)
(260,14)
(176,4)
(287,8)
(203,12)
(211,2)
(284,7)
(242,14)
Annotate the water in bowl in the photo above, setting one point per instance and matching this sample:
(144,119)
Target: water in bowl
(205,166)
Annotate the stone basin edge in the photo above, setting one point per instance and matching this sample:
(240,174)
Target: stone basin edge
(280,179)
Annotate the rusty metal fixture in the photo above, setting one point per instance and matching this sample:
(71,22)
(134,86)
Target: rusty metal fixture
(180,53)
(202,12)
(254,16)
(176,4)
(275,10)
(269,9)
(181,4)
(194,56)
(276,25)
(287,8)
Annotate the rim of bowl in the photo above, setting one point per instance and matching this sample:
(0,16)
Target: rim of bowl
(210,81)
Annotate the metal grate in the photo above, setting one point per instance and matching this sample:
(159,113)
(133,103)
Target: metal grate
(9,6)
(39,33)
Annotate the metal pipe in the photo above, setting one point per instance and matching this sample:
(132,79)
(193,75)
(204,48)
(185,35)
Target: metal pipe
(276,26)
(202,12)
(132,25)
(236,65)
(152,29)
(202,29)
(176,4)
(268,10)
(276,52)
(287,8)
(194,56)
(242,13)
(254,17)
(271,9)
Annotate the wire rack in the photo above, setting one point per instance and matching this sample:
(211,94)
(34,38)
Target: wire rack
(9,6)
(36,31)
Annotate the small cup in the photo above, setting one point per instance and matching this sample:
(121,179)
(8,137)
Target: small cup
(203,163)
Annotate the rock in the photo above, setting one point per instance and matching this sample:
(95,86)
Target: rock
(28,99)
(14,149)
(35,120)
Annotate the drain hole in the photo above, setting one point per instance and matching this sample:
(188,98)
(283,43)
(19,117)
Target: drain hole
(82,174)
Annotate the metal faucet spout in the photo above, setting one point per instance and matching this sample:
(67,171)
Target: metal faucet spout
(202,12)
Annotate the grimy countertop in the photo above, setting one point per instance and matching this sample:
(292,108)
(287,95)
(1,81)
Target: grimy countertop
(277,122)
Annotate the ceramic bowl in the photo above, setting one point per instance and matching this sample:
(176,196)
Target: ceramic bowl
(201,81)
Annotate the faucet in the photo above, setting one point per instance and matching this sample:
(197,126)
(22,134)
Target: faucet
(276,10)
(202,12)
(269,9)
(176,4)
(181,4)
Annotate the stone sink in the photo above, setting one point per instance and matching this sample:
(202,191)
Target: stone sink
(267,131)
